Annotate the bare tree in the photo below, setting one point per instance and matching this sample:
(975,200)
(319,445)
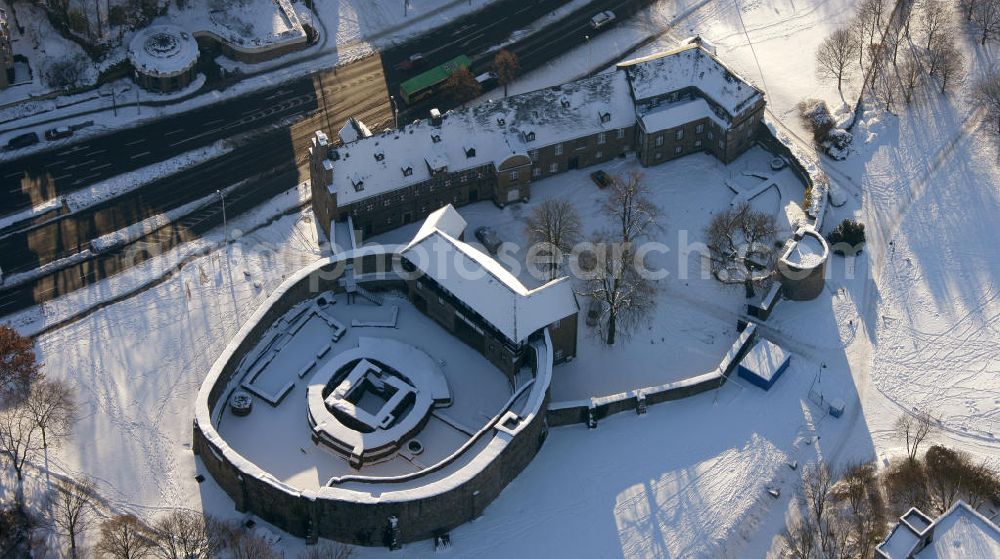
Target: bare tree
(52,407)
(556,226)
(630,208)
(18,365)
(72,511)
(986,19)
(815,492)
(19,440)
(328,550)
(935,20)
(914,429)
(867,508)
(799,538)
(835,55)
(505,65)
(462,86)
(124,537)
(946,62)
(905,484)
(185,534)
(622,290)
(986,93)
(251,546)
(969,7)
(740,243)
(909,78)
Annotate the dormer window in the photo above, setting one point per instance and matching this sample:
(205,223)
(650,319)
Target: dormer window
(358,183)
(435,138)
(501,121)
(470,151)
(379,156)
(605,117)
(565,102)
(407,171)
(529,137)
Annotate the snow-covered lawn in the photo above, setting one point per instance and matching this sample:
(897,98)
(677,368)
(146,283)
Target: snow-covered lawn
(694,323)
(688,479)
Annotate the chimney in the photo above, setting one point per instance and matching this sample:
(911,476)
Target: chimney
(436,117)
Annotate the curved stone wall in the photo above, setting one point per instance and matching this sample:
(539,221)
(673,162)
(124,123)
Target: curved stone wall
(357,509)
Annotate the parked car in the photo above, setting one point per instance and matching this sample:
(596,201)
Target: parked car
(602,19)
(600,178)
(486,78)
(22,141)
(489,238)
(415,60)
(58,133)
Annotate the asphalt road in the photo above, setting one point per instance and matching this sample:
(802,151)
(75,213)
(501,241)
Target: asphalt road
(501,20)
(274,163)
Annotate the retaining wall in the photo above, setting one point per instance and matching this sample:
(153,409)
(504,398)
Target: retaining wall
(358,510)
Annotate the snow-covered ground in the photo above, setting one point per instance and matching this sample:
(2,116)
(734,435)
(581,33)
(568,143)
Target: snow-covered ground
(909,325)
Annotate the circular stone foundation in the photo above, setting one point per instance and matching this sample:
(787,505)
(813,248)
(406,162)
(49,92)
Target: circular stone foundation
(367,401)
(163,57)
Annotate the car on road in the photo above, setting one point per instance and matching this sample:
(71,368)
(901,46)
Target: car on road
(600,178)
(22,141)
(489,238)
(602,19)
(412,62)
(58,133)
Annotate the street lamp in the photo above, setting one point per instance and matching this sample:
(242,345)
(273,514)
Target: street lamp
(395,112)
(225,225)
(587,38)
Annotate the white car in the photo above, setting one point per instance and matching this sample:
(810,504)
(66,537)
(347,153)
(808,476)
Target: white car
(602,19)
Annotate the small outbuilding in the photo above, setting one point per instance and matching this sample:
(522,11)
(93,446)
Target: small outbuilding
(763,364)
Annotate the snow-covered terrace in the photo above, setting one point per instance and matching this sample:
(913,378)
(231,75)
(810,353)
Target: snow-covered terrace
(277,439)
(690,66)
(480,135)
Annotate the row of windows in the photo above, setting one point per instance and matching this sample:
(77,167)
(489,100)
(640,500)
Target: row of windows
(602,139)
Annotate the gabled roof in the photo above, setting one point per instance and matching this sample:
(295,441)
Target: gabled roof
(482,283)
(689,66)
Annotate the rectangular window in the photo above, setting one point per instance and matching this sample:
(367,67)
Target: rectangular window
(599,155)
(678,149)
(659,140)
(722,145)
(600,138)
(621,133)
(513,175)
(558,149)
(536,172)
(697,143)
(533,154)
(658,155)
(680,134)
(711,136)
(554,168)
(700,128)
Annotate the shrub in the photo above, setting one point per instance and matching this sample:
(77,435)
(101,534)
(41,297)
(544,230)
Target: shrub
(849,235)
(817,118)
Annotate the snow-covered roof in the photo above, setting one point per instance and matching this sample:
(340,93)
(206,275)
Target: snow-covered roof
(808,249)
(353,130)
(163,51)
(962,532)
(672,115)
(485,134)
(482,283)
(959,533)
(764,359)
(690,66)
